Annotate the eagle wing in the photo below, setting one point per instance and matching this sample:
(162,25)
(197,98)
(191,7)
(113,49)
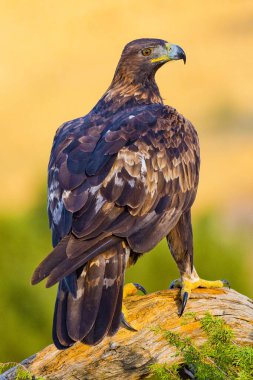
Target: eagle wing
(128,176)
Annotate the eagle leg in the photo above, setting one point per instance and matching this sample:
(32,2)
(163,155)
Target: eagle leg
(180,242)
(130,290)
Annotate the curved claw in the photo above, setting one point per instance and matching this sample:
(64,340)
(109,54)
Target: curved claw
(140,287)
(172,284)
(184,302)
(175,284)
(226,283)
(126,324)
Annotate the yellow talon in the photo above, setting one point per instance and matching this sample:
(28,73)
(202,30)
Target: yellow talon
(129,290)
(187,285)
(124,311)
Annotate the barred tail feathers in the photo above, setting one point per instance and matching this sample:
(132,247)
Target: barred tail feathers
(95,311)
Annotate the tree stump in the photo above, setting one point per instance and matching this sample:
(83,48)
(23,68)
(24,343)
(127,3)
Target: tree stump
(128,355)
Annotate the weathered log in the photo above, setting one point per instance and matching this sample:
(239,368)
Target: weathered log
(128,355)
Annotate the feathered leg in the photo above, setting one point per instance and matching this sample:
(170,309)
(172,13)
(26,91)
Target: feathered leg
(180,241)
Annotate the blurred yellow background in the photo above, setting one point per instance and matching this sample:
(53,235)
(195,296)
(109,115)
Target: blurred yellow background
(57,59)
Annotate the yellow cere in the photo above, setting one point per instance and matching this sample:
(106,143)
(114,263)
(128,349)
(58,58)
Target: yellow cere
(162,58)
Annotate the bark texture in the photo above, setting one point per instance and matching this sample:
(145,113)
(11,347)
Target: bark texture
(128,354)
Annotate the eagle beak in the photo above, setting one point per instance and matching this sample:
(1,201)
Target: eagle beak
(175,52)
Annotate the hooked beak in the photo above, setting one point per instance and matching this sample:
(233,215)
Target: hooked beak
(175,52)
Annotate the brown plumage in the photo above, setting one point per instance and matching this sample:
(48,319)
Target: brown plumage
(119,180)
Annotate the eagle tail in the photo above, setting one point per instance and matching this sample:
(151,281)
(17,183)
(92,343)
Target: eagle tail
(96,310)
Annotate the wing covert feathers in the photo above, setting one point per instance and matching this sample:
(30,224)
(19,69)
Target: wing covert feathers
(141,161)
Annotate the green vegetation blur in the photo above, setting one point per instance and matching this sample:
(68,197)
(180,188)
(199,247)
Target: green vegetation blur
(26,311)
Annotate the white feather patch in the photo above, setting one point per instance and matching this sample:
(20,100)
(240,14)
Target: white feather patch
(79,293)
(118,181)
(131,183)
(57,212)
(143,165)
(66,194)
(93,189)
(99,202)
(108,282)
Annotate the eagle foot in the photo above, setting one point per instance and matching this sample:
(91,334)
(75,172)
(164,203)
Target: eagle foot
(130,290)
(187,285)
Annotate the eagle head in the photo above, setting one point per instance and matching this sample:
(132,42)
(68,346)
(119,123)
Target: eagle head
(134,77)
(148,54)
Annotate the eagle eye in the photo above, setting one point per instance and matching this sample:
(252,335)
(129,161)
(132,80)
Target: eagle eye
(146,52)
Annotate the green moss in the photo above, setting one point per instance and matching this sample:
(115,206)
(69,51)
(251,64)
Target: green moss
(21,372)
(165,372)
(219,358)
(188,317)
(5,366)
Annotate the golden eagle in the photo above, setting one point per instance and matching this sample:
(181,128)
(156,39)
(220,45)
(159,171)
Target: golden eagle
(120,179)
